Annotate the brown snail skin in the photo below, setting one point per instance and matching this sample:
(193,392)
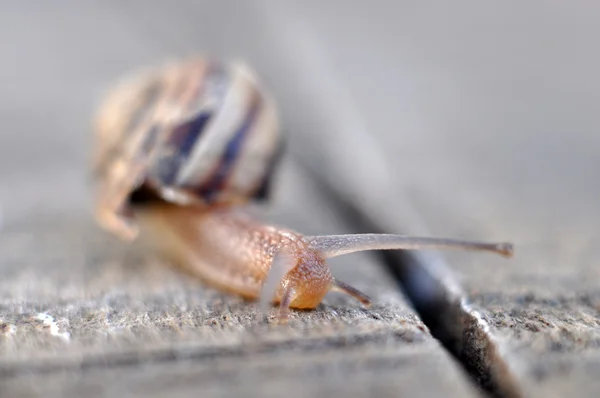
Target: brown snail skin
(181,150)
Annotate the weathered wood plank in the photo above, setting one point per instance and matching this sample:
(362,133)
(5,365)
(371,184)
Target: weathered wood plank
(78,307)
(544,307)
(348,372)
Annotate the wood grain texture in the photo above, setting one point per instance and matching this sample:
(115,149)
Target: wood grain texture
(84,314)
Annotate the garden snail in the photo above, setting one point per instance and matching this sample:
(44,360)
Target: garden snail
(181,149)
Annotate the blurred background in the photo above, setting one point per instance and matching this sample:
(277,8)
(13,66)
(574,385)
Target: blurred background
(463,118)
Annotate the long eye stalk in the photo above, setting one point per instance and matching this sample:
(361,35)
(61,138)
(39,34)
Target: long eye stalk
(336,245)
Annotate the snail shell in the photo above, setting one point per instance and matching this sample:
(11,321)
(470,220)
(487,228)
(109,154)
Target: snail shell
(193,132)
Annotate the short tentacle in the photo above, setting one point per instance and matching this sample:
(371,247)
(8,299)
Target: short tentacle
(349,290)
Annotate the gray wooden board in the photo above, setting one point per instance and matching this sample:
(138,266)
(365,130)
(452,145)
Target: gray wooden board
(79,308)
(320,374)
(544,305)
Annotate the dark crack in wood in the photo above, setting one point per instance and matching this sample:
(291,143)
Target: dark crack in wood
(457,326)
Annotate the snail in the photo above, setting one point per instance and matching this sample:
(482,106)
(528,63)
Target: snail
(180,151)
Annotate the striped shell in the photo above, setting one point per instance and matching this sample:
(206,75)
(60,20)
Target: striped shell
(194,132)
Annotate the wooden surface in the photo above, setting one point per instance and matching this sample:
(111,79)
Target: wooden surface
(80,309)
(470,121)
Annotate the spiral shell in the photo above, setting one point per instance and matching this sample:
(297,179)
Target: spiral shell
(194,132)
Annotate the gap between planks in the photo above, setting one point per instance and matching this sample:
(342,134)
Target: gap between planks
(450,319)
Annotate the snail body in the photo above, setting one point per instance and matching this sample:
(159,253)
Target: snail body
(237,254)
(233,252)
(180,150)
